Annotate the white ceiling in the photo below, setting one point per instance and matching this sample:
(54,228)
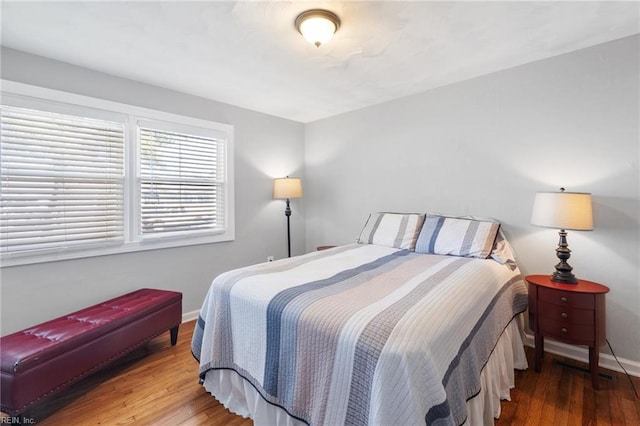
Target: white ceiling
(248,53)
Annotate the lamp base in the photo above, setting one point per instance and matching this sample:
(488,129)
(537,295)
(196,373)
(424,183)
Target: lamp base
(564,277)
(563,272)
(287,213)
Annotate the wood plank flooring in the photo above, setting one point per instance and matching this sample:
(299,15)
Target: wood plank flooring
(158,385)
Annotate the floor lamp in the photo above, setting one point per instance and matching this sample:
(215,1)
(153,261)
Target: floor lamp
(285,189)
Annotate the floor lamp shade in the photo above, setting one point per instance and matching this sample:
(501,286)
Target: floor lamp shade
(285,189)
(563,210)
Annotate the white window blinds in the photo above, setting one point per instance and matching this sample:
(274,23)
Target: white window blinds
(62,180)
(83,177)
(181,181)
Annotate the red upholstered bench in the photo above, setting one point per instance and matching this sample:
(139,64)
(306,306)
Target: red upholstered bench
(42,360)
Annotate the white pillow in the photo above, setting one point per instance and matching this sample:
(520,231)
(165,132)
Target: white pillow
(398,230)
(457,236)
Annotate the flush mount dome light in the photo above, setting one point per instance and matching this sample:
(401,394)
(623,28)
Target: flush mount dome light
(317,25)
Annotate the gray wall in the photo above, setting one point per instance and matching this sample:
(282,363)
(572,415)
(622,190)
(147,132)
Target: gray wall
(484,147)
(265,147)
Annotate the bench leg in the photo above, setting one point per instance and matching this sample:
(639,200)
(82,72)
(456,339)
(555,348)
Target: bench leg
(174,335)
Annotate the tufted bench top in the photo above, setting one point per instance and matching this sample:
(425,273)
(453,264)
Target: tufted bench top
(22,350)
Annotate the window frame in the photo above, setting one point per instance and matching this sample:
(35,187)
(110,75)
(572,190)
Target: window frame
(25,95)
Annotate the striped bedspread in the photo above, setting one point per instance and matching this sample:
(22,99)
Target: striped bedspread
(360,334)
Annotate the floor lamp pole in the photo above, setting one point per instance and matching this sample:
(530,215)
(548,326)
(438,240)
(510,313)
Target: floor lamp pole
(287,212)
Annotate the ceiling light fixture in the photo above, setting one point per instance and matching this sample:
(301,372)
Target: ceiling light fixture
(317,25)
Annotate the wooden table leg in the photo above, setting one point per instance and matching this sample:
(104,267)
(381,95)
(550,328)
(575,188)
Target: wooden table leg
(594,356)
(539,343)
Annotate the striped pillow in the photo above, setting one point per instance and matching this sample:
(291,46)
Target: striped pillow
(457,236)
(392,230)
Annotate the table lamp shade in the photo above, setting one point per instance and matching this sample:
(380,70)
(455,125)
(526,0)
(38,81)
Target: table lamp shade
(563,210)
(285,188)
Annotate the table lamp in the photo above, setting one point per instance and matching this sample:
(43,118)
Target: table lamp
(563,210)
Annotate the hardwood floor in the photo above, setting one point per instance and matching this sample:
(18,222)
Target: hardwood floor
(158,385)
(562,395)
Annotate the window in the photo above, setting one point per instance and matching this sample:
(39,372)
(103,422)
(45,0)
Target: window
(181,179)
(61,180)
(80,181)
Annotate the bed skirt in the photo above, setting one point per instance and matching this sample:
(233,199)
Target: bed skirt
(497,378)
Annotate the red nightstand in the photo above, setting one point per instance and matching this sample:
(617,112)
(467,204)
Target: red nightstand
(570,313)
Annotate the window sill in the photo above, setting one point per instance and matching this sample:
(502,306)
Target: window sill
(84,252)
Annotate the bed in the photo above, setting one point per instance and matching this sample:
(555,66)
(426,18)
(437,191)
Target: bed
(416,323)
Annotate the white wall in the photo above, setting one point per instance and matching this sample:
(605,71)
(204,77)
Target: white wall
(484,147)
(265,147)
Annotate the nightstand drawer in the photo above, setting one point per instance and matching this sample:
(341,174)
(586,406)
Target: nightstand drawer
(576,333)
(566,314)
(567,298)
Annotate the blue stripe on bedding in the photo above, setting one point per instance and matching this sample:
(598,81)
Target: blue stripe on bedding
(289,330)
(375,336)
(437,226)
(278,304)
(196,341)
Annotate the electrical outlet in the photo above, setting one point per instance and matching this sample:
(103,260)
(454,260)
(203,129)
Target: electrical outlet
(269,258)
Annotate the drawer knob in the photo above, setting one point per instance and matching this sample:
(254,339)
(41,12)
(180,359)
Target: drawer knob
(563,300)
(564,330)
(564,315)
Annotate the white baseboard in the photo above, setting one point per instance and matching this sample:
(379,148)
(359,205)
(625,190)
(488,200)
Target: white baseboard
(190,316)
(580,353)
